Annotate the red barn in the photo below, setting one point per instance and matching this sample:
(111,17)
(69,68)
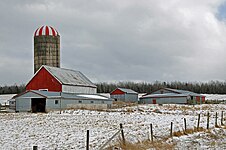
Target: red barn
(60,80)
(126,95)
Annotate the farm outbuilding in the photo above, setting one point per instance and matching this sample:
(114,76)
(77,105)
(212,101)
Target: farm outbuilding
(123,94)
(172,96)
(61,80)
(45,101)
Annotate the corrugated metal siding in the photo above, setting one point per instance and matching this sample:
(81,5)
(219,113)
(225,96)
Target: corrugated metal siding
(79,89)
(126,97)
(131,97)
(23,104)
(120,97)
(178,100)
(72,103)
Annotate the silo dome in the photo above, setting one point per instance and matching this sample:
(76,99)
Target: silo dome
(46,47)
(46,30)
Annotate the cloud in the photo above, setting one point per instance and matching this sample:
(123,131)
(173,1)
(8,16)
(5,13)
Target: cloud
(119,40)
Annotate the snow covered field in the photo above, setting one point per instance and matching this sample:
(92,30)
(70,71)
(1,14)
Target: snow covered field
(68,130)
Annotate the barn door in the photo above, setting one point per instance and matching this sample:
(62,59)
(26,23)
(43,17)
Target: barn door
(38,104)
(154,101)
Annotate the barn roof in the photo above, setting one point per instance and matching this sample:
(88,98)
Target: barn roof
(168,95)
(174,93)
(49,94)
(69,77)
(128,91)
(179,91)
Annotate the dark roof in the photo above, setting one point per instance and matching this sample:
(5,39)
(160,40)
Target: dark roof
(69,77)
(128,91)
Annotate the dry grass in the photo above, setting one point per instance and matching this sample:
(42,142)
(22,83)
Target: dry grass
(144,145)
(188,131)
(120,104)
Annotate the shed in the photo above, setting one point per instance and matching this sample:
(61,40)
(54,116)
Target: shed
(123,94)
(172,96)
(45,101)
(61,80)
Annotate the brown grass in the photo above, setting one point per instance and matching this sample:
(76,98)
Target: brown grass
(144,145)
(120,104)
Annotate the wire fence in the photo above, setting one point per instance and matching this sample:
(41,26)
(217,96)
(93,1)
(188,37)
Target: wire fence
(151,131)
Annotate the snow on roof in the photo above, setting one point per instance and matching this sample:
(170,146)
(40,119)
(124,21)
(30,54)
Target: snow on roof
(63,95)
(5,97)
(185,94)
(69,77)
(93,96)
(129,91)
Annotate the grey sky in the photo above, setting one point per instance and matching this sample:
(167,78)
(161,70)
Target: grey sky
(126,40)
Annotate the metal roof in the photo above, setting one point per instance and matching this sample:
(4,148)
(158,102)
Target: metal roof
(129,91)
(69,77)
(63,95)
(174,93)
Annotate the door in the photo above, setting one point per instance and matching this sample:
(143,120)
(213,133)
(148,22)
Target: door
(154,101)
(38,105)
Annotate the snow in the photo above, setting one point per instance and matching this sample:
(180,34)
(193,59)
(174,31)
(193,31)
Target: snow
(93,96)
(215,96)
(68,129)
(5,97)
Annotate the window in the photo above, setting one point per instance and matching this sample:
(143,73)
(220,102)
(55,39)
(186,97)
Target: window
(43,89)
(79,101)
(56,102)
(91,102)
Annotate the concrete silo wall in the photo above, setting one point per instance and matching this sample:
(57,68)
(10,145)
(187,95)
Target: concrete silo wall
(46,51)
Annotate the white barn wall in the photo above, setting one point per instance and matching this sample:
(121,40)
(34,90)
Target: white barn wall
(79,89)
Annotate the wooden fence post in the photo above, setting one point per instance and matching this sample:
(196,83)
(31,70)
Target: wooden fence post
(185,125)
(87,140)
(216,120)
(222,118)
(123,137)
(35,147)
(151,132)
(198,122)
(208,120)
(171,129)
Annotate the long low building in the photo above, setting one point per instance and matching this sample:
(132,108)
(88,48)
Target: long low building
(45,101)
(172,96)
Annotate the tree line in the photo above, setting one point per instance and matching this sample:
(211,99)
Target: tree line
(12,89)
(211,87)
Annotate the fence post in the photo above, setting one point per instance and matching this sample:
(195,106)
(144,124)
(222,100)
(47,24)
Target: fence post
(185,125)
(171,129)
(87,140)
(123,137)
(35,147)
(151,132)
(222,118)
(216,120)
(208,120)
(198,122)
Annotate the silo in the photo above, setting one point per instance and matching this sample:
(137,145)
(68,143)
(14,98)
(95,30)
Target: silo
(46,47)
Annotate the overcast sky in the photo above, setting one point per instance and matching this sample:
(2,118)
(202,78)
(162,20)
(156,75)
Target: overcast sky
(119,40)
